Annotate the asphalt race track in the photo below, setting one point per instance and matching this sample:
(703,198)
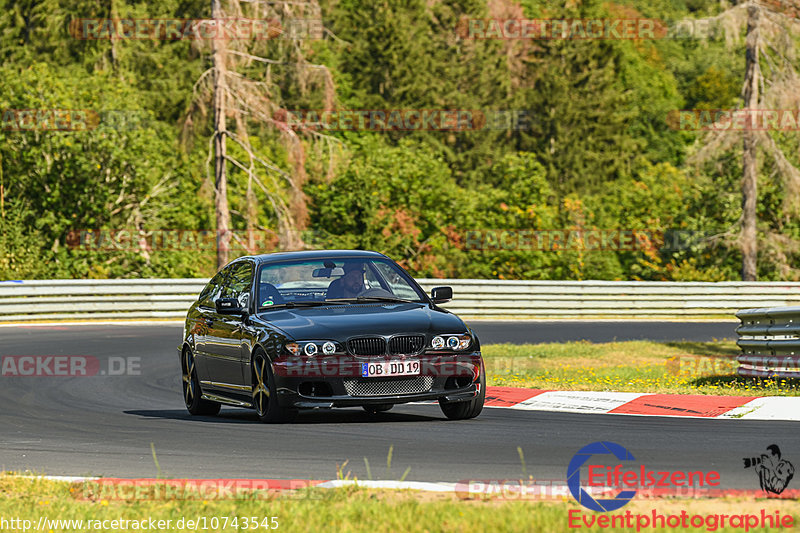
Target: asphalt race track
(104,425)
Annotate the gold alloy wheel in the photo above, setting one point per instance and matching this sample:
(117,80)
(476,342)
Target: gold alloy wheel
(260,388)
(188,377)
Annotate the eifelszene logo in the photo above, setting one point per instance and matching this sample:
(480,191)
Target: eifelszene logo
(626,480)
(774,473)
(574,476)
(610,468)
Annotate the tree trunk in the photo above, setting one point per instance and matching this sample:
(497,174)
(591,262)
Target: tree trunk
(114,21)
(223,214)
(2,192)
(749,163)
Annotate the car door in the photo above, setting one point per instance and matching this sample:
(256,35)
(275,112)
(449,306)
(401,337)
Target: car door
(204,322)
(225,334)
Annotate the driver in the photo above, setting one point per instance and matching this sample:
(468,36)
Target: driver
(350,285)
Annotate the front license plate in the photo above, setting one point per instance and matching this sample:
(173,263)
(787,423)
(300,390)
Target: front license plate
(409,367)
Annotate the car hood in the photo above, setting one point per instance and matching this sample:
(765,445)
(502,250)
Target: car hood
(340,322)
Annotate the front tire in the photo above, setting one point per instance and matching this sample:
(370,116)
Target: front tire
(468,409)
(192,395)
(265,400)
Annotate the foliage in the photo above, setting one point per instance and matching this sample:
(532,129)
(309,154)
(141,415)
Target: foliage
(594,153)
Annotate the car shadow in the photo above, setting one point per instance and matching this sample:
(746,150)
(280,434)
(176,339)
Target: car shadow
(315,416)
(705,349)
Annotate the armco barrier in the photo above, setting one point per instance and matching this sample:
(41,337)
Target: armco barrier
(496,299)
(770,342)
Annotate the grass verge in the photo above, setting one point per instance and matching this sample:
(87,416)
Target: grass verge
(350,509)
(633,366)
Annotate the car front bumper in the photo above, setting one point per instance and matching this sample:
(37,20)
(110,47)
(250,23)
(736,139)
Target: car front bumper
(314,383)
(303,402)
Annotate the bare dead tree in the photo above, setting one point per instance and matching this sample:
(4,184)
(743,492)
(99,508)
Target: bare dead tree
(252,103)
(769,39)
(220,90)
(752,79)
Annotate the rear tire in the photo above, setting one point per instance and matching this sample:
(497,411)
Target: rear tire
(265,400)
(468,409)
(380,408)
(192,394)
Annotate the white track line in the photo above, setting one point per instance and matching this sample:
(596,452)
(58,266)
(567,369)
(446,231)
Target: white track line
(767,408)
(396,485)
(577,401)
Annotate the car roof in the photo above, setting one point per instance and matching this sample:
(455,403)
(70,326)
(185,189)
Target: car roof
(311,255)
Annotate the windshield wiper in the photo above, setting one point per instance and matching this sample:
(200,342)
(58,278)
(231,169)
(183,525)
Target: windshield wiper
(384,299)
(374,299)
(304,303)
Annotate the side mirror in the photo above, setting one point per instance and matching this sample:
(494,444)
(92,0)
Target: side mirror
(229,306)
(440,295)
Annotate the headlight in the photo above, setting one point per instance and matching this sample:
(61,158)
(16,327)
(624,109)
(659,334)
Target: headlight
(293,348)
(464,341)
(313,348)
(456,342)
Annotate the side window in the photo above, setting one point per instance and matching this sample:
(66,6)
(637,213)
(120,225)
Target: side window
(211,291)
(239,282)
(399,286)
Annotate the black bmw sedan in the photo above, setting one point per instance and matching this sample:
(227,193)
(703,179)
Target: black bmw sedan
(320,329)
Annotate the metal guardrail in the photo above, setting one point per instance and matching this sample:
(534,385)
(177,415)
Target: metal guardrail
(496,299)
(97,299)
(770,342)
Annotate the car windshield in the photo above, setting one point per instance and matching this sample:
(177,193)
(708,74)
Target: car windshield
(336,281)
